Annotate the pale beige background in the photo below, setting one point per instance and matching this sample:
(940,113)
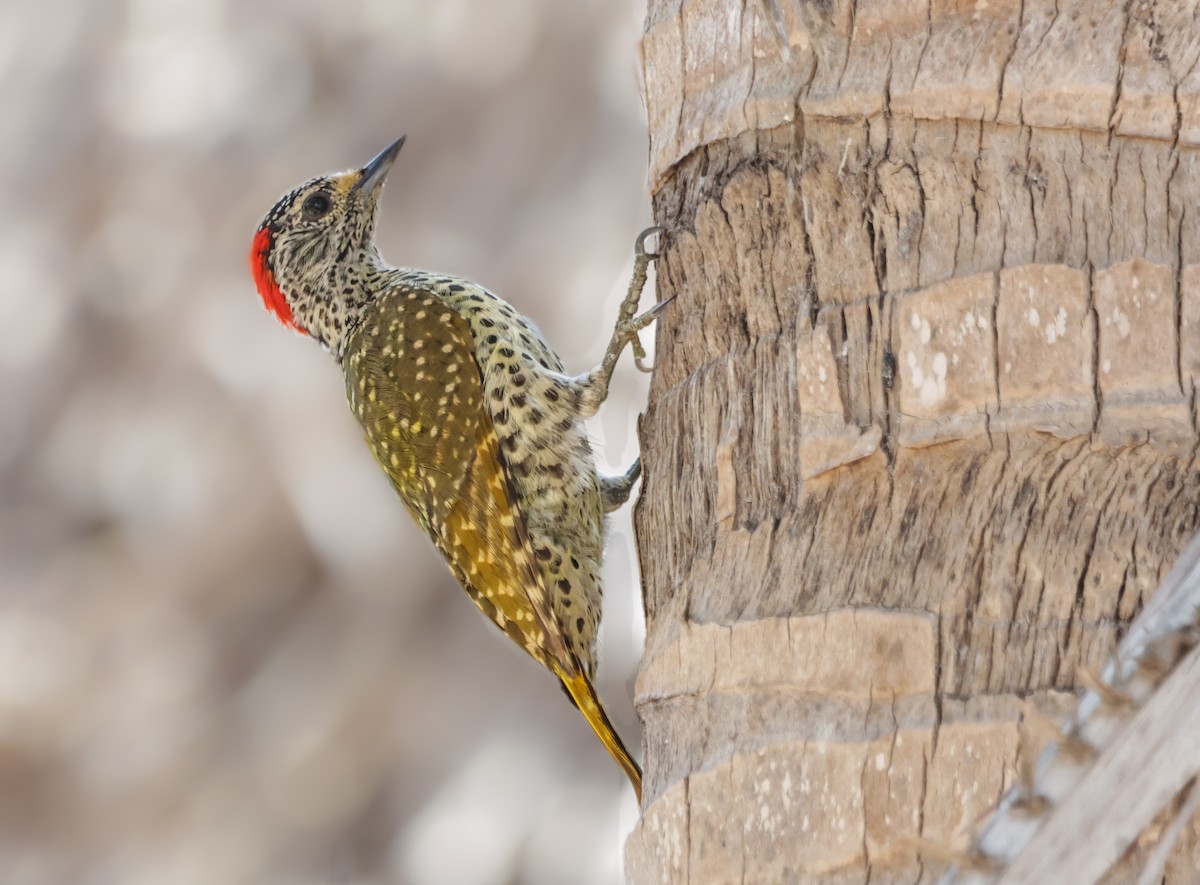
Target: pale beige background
(226,656)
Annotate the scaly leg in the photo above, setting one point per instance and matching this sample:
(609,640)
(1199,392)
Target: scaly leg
(591,389)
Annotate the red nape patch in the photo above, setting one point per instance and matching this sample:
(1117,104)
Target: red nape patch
(264,280)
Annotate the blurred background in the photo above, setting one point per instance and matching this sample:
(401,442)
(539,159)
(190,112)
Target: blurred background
(226,654)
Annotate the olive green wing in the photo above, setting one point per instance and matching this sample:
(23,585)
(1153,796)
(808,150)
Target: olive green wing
(415,387)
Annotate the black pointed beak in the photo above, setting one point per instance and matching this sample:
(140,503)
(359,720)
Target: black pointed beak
(376,171)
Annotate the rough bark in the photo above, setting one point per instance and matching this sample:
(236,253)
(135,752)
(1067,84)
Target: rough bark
(1109,778)
(922,436)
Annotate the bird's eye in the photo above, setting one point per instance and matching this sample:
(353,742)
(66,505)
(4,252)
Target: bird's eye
(317,206)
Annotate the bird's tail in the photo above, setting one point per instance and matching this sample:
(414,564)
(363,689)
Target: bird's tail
(583,693)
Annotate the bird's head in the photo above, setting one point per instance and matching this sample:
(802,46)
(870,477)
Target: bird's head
(314,252)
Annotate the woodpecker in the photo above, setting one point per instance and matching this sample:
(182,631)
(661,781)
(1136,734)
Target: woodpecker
(471,415)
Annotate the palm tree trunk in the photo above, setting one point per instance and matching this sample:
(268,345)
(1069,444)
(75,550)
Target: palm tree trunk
(922,434)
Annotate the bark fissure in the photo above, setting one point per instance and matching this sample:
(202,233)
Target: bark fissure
(1121,58)
(1177,294)
(852,6)
(1012,51)
(888,369)
(1094,319)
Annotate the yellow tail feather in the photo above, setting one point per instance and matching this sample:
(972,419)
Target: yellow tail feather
(580,688)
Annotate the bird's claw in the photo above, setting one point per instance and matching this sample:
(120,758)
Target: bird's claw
(639,247)
(629,322)
(631,327)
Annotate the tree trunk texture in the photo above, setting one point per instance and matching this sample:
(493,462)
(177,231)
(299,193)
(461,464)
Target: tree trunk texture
(922,434)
